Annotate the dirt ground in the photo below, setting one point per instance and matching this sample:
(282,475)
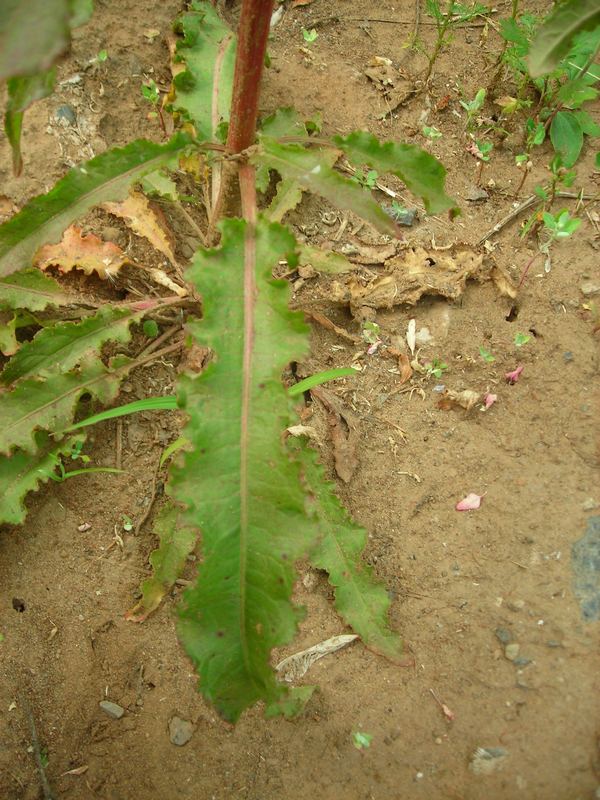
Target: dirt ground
(464,585)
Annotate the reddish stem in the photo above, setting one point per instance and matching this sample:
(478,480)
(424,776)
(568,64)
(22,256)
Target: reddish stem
(253,32)
(527,268)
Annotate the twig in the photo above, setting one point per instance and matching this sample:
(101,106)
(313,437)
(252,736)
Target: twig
(192,223)
(524,206)
(146,513)
(386,21)
(164,337)
(37,750)
(331,326)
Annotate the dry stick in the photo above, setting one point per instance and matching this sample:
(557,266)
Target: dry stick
(161,339)
(524,206)
(146,513)
(37,750)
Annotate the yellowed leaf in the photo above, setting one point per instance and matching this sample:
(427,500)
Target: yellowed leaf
(145,220)
(88,253)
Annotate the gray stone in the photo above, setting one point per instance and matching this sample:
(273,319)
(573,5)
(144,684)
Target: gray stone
(511,651)
(589,288)
(503,635)
(112,709)
(180,731)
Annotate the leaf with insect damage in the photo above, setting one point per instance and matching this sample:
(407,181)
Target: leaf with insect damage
(32,290)
(23,472)
(310,169)
(106,177)
(62,346)
(50,404)
(421,172)
(238,484)
(202,94)
(176,542)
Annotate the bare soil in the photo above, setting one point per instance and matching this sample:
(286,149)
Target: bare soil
(463,584)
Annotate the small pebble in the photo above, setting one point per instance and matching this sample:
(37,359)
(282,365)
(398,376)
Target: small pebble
(180,731)
(590,504)
(511,651)
(66,115)
(503,635)
(521,661)
(568,357)
(112,709)
(589,288)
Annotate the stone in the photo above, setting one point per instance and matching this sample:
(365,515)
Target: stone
(589,288)
(511,651)
(180,731)
(114,710)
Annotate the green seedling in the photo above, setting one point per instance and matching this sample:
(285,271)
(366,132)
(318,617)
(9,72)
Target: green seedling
(431,132)
(436,368)
(150,92)
(127,523)
(521,339)
(367,179)
(486,355)
(556,227)
(362,740)
(102,55)
(473,107)
(309,36)
(370,332)
(447,16)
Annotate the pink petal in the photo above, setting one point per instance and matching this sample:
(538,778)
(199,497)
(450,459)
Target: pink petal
(470,502)
(490,399)
(513,377)
(447,712)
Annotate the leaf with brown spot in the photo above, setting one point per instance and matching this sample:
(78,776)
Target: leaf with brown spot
(88,253)
(144,220)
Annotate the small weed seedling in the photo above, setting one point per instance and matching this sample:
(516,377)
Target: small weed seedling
(362,740)
(555,228)
(435,368)
(473,107)
(309,36)
(431,132)
(447,18)
(486,355)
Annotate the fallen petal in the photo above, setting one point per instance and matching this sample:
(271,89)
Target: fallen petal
(489,399)
(513,377)
(469,503)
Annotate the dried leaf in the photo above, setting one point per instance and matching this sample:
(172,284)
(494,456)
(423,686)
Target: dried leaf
(469,503)
(88,253)
(447,712)
(466,399)
(294,667)
(503,282)
(145,220)
(343,427)
(76,771)
(297,3)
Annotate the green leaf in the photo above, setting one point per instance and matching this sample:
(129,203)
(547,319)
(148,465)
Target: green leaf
(566,137)
(22,472)
(554,37)
(8,328)
(33,290)
(324,260)
(238,484)
(284,122)
(106,177)
(587,124)
(319,378)
(32,35)
(362,602)
(168,402)
(81,11)
(62,346)
(22,92)
(161,185)
(203,90)
(421,172)
(287,197)
(50,404)
(310,170)
(176,542)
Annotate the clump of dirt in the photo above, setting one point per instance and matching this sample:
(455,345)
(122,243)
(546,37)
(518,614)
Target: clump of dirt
(501,657)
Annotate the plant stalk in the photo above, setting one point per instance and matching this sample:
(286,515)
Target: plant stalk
(253,32)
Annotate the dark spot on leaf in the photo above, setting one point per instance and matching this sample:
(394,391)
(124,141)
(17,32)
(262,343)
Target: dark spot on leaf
(261,385)
(220,634)
(18,604)
(284,556)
